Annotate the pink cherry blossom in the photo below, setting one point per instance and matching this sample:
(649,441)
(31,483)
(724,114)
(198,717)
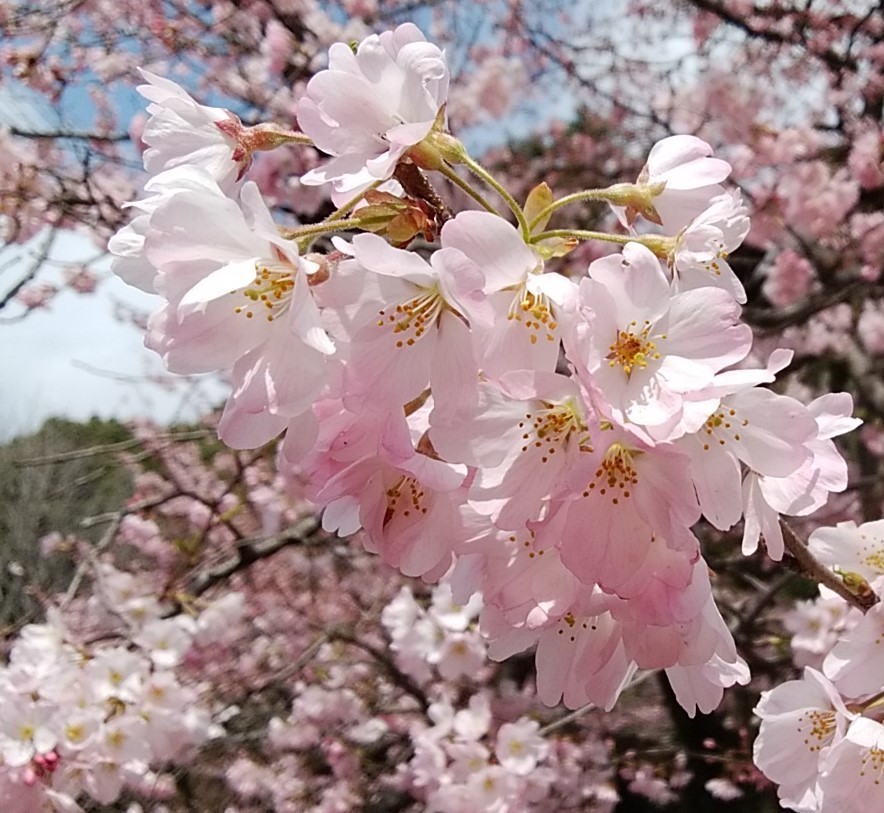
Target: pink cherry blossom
(412,326)
(851,547)
(856,661)
(530,307)
(520,747)
(789,279)
(182,132)
(370,106)
(702,247)
(808,487)
(641,350)
(526,433)
(689,177)
(852,770)
(800,721)
(237,296)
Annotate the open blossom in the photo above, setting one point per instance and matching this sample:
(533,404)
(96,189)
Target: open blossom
(800,721)
(520,747)
(182,132)
(237,296)
(368,108)
(26,729)
(641,350)
(412,326)
(856,663)
(683,179)
(530,307)
(701,249)
(524,581)
(127,245)
(526,433)
(851,547)
(624,498)
(815,626)
(807,488)
(406,502)
(853,770)
(751,425)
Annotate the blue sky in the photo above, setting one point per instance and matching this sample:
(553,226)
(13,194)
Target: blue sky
(75,359)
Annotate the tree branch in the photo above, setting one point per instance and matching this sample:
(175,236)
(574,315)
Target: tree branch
(307,531)
(810,567)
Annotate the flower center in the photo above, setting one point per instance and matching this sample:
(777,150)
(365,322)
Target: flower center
(533,311)
(270,292)
(405,498)
(633,348)
(570,626)
(412,317)
(872,760)
(817,727)
(552,427)
(722,424)
(616,474)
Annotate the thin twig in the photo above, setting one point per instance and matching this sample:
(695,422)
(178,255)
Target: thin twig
(402,680)
(578,713)
(108,448)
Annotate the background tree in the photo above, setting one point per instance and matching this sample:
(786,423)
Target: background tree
(790,93)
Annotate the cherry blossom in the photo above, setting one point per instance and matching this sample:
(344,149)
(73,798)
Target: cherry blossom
(558,441)
(681,178)
(800,721)
(369,107)
(645,351)
(182,132)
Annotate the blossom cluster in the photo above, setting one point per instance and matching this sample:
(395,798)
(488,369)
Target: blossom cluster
(459,763)
(550,441)
(822,736)
(87,717)
(443,635)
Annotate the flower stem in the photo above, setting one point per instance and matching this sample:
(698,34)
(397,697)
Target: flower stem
(587,194)
(337,214)
(480,172)
(292,137)
(581,234)
(460,183)
(327,227)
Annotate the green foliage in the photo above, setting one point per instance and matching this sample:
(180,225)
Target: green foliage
(50,481)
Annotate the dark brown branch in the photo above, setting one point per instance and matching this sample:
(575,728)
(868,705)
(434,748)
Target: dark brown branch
(834,61)
(402,680)
(808,566)
(773,320)
(307,531)
(54,135)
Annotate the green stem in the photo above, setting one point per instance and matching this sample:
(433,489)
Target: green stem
(581,234)
(460,183)
(337,214)
(298,138)
(587,194)
(326,227)
(480,172)
(873,702)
